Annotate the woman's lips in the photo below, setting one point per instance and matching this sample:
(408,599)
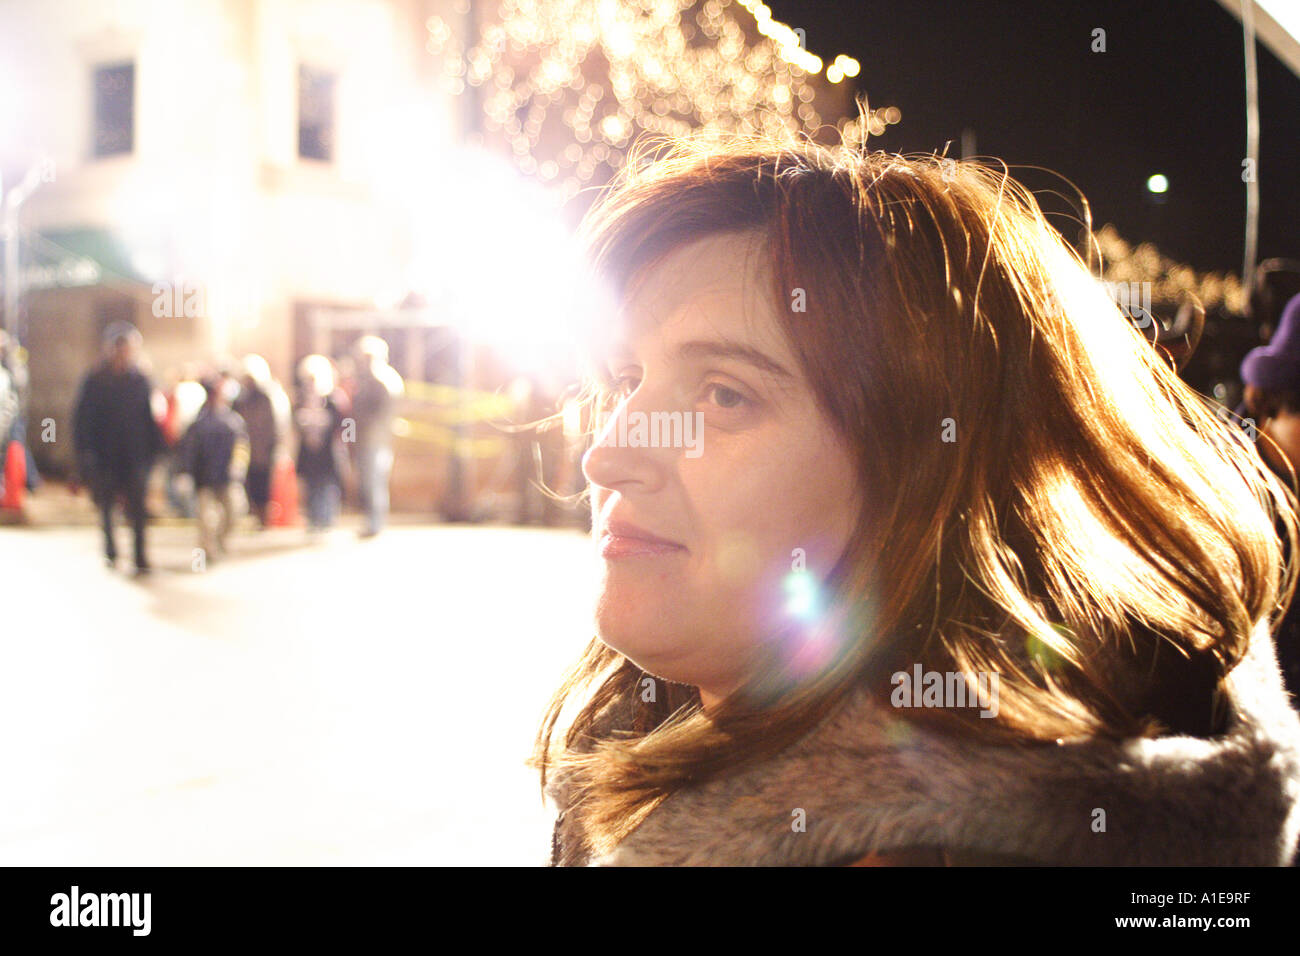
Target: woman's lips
(622,539)
(623,546)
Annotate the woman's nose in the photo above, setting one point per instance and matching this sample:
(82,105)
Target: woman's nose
(617,461)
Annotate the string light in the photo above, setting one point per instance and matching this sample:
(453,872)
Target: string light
(842,67)
(1170,280)
(571,84)
(786,39)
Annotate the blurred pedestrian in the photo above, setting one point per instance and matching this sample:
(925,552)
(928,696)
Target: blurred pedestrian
(185,398)
(1277,282)
(377,389)
(214,453)
(318,420)
(264,407)
(13,405)
(8,411)
(1272,398)
(116,436)
(1271,374)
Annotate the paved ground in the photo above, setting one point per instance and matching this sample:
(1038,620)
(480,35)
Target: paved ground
(337,702)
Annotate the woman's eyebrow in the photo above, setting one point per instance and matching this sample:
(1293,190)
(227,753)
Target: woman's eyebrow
(707,348)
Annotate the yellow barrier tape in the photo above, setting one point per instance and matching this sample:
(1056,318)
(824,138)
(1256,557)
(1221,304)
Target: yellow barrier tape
(476,404)
(456,416)
(446,438)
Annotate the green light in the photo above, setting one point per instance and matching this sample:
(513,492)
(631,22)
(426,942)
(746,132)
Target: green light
(1158,183)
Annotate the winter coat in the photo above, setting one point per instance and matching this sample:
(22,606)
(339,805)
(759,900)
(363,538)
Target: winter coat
(257,410)
(319,422)
(374,405)
(214,450)
(114,432)
(866,781)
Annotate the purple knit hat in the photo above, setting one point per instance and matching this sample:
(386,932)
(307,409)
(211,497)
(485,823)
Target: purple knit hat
(1277,365)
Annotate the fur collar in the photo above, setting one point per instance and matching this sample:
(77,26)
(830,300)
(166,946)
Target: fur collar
(868,781)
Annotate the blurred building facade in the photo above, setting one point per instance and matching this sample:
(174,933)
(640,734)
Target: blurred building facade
(211,171)
(281,176)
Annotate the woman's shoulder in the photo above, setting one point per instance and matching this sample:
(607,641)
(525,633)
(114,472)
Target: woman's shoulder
(871,787)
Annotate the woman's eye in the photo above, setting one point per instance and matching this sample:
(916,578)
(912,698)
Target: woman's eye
(625,384)
(725,397)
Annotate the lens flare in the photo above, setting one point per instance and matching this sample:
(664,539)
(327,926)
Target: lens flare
(808,643)
(803,598)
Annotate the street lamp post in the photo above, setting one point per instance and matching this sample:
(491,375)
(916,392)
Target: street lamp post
(458,502)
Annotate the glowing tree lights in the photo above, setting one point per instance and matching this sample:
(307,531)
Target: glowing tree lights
(570,84)
(1170,280)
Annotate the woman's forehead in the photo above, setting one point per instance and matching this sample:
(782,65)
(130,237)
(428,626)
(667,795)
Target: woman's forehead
(720,285)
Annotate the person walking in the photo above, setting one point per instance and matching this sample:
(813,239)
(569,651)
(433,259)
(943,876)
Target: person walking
(185,399)
(214,452)
(378,386)
(264,408)
(116,437)
(319,420)
(1271,374)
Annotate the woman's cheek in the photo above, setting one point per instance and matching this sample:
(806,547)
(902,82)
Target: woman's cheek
(739,558)
(741,491)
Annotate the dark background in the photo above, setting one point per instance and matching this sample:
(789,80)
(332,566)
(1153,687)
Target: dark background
(1167,96)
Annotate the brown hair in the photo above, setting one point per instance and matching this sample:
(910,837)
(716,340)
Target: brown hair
(1095,534)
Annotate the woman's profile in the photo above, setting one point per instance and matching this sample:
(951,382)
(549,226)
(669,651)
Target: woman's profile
(955,569)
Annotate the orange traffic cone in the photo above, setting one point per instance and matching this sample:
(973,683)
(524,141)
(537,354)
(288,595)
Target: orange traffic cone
(282,509)
(15,477)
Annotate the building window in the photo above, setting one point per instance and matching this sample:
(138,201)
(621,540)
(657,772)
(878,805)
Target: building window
(316,94)
(114,109)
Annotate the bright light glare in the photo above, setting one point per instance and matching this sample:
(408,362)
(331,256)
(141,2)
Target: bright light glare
(495,253)
(801,594)
(1158,183)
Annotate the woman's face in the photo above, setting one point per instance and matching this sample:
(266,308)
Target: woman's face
(700,528)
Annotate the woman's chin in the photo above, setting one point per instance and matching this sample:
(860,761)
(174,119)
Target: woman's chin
(652,644)
(636,639)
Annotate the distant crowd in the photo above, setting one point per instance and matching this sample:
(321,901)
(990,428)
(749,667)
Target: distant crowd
(233,440)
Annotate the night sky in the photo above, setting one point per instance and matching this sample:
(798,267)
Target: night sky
(1167,96)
